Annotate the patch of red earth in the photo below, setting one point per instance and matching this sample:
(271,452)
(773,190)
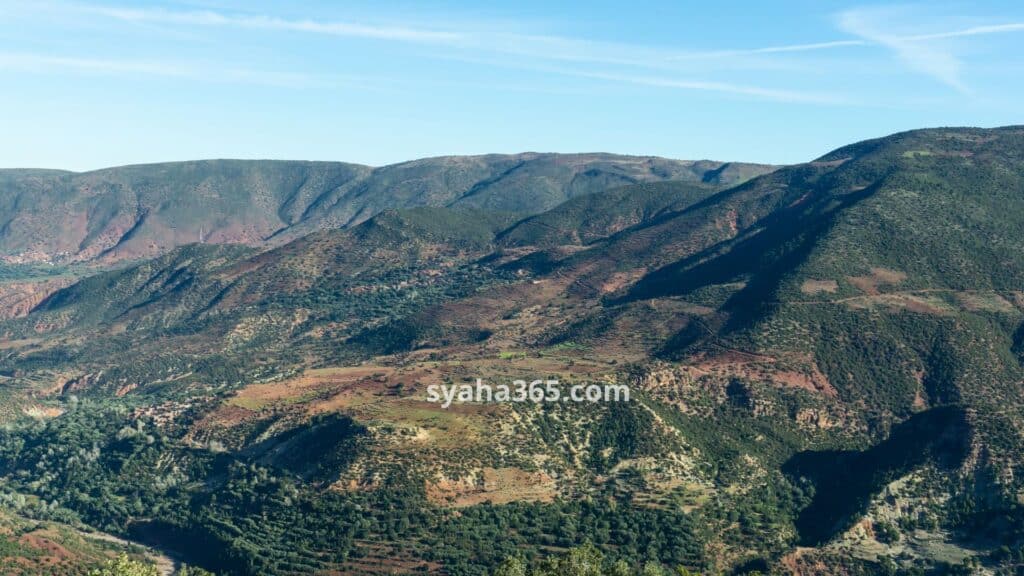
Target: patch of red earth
(381,559)
(213,424)
(922,308)
(809,562)
(813,287)
(984,301)
(228,415)
(17,299)
(620,280)
(731,221)
(870,283)
(44,327)
(52,552)
(760,368)
(488,310)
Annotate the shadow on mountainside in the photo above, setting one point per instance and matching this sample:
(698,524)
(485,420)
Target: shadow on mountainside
(845,481)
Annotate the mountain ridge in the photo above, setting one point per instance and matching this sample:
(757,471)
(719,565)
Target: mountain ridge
(137,211)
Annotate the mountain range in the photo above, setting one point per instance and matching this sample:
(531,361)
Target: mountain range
(229,361)
(142,211)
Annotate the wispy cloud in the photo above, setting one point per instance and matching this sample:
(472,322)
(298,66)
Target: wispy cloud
(546,47)
(973,31)
(609,57)
(772,49)
(807,47)
(259,22)
(723,87)
(41,63)
(662,81)
(929,53)
(853,21)
(923,52)
(935,60)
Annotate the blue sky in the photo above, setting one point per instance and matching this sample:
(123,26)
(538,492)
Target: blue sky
(88,84)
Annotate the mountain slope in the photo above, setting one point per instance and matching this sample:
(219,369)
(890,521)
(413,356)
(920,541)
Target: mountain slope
(585,219)
(142,211)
